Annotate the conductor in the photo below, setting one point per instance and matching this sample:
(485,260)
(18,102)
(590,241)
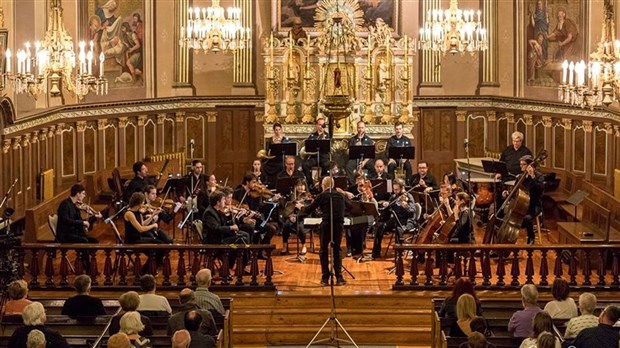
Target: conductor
(332,205)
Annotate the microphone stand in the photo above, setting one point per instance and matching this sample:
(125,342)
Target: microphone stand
(471,196)
(8,192)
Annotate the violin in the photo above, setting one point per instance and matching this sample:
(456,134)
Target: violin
(260,191)
(86,208)
(365,189)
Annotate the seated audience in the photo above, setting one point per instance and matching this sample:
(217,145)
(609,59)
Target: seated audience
(542,323)
(479,324)
(34,319)
(83,305)
(476,340)
(119,340)
(36,339)
(131,325)
(546,340)
(520,324)
(188,303)
(205,299)
(603,335)
(149,301)
(563,307)
(129,302)
(193,321)
(465,312)
(587,305)
(17,291)
(181,339)
(461,286)
(478,327)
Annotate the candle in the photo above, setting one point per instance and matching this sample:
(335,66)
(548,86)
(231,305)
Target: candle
(406,50)
(571,69)
(101,60)
(479,13)
(369,51)
(89,57)
(564,71)
(290,55)
(8,60)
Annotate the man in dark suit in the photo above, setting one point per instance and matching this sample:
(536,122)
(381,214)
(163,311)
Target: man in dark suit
(71,227)
(82,305)
(193,322)
(188,303)
(139,181)
(216,231)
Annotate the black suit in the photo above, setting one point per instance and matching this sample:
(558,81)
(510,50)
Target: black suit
(83,306)
(311,161)
(137,184)
(535,187)
(70,228)
(351,165)
(403,141)
(216,231)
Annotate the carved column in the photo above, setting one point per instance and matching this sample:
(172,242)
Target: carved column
(529,131)
(492,130)
(611,155)
(6,163)
(489,59)
(160,132)
(547,123)
(141,137)
(27,171)
(430,68)
(80,127)
(182,56)
(589,166)
(243,59)
(50,149)
(416,136)
(43,144)
(17,173)
(568,143)
(461,117)
(58,153)
(211,143)
(510,118)
(101,150)
(179,119)
(122,141)
(616,148)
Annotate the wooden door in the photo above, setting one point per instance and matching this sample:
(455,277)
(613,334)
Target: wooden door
(438,132)
(235,144)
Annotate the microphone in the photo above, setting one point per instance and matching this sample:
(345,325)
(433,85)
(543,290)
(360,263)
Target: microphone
(191,143)
(466,142)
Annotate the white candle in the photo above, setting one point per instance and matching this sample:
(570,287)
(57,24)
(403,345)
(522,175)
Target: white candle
(101,60)
(8,60)
(89,57)
(571,69)
(564,71)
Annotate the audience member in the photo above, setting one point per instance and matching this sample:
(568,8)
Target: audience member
(36,339)
(542,323)
(204,298)
(149,301)
(17,291)
(603,335)
(479,324)
(520,324)
(181,339)
(587,305)
(546,340)
(465,312)
(563,307)
(83,305)
(193,321)
(119,340)
(188,303)
(129,302)
(461,286)
(476,340)
(131,325)
(34,319)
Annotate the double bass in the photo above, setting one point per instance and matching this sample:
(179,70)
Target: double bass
(515,207)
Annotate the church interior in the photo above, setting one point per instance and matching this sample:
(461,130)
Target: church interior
(372,166)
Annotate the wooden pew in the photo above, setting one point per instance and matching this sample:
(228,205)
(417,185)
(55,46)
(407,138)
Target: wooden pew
(569,183)
(86,341)
(595,221)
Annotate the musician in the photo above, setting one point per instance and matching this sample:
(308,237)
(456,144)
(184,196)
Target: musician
(463,229)
(246,220)
(534,185)
(217,229)
(289,169)
(195,187)
(402,211)
(272,167)
(139,181)
(139,231)
(423,181)
(398,140)
(449,180)
(71,228)
(160,214)
(361,191)
(249,192)
(307,164)
(257,171)
(293,222)
(359,139)
(332,205)
(512,154)
(380,171)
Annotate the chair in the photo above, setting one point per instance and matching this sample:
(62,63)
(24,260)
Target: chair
(52,221)
(539,229)
(414,230)
(119,241)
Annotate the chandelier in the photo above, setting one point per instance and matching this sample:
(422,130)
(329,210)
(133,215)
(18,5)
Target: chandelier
(602,85)
(208,29)
(53,61)
(453,30)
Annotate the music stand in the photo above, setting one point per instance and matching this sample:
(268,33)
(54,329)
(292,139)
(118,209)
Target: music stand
(495,167)
(341,182)
(361,152)
(380,186)
(401,152)
(363,208)
(286,185)
(576,198)
(283,149)
(318,145)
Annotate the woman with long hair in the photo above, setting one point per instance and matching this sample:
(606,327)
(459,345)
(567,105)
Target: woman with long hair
(461,286)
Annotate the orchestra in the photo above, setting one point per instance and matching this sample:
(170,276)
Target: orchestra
(262,205)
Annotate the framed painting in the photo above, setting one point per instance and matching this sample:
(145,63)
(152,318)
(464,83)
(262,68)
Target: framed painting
(554,32)
(286,11)
(117,29)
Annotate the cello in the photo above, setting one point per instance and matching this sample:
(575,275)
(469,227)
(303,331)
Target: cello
(515,207)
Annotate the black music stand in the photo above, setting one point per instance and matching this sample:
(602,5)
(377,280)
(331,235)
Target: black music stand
(286,185)
(576,198)
(380,186)
(283,149)
(401,152)
(363,208)
(318,145)
(495,167)
(361,152)
(341,182)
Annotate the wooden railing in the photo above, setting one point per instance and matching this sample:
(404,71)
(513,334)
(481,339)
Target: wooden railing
(501,266)
(47,265)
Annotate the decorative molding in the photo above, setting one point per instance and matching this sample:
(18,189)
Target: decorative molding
(122,122)
(461,115)
(102,123)
(415,116)
(587,126)
(59,127)
(179,117)
(608,128)
(160,118)
(80,126)
(6,145)
(529,120)
(16,142)
(51,132)
(617,131)
(568,123)
(546,120)
(259,115)
(43,134)
(26,140)
(142,120)
(34,137)
(492,116)
(510,116)
(211,116)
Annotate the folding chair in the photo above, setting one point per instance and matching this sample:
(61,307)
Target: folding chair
(52,221)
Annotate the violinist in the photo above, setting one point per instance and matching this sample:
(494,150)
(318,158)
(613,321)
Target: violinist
(71,227)
(402,210)
(218,229)
(534,185)
(139,181)
(298,198)
(361,138)
(255,196)
(195,187)
(361,191)
(239,215)
(308,164)
(463,230)
(272,167)
(156,213)
(212,184)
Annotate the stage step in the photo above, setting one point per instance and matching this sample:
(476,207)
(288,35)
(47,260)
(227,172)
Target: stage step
(316,316)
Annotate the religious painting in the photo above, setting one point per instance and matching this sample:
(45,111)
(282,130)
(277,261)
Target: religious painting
(290,11)
(555,31)
(116,28)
